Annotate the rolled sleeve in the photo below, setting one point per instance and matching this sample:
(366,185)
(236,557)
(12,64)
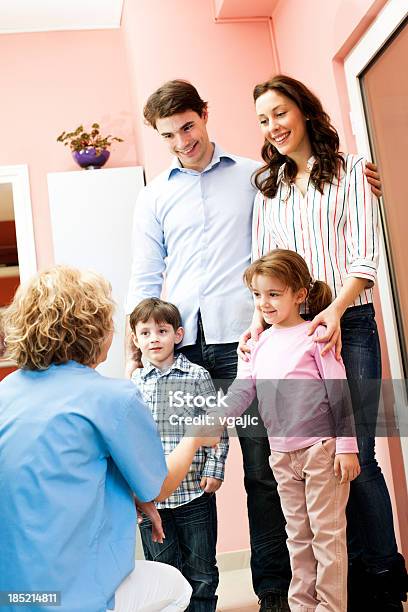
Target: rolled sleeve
(216,457)
(148,252)
(362,226)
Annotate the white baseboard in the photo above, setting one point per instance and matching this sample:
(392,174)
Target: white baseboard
(233,560)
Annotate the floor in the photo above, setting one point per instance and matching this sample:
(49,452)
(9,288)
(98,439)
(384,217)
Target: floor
(235,593)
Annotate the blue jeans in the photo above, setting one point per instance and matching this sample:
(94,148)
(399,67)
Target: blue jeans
(270,565)
(369,515)
(190,546)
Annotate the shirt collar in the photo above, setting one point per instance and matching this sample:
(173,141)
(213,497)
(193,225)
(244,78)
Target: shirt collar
(309,166)
(180,363)
(218,155)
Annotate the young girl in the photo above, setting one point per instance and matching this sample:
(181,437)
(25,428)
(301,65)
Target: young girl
(312,468)
(316,201)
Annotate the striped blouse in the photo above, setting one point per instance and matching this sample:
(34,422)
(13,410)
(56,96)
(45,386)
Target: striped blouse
(335,232)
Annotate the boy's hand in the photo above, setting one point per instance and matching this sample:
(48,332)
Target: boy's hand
(210,441)
(210,485)
(152,513)
(346,467)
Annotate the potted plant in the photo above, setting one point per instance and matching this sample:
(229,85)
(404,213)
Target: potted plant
(89,149)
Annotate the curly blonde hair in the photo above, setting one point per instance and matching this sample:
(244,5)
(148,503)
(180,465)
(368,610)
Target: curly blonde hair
(60,314)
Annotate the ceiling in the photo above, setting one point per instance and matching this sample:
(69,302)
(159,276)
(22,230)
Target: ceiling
(227,9)
(47,15)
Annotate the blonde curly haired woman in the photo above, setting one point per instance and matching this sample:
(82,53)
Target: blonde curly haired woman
(74,448)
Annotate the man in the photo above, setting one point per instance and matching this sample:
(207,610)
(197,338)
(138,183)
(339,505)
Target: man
(193,222)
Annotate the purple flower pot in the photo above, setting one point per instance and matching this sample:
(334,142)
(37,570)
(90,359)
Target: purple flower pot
(89,159)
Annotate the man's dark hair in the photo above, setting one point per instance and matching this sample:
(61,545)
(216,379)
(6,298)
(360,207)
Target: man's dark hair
(162,312)
(173,97)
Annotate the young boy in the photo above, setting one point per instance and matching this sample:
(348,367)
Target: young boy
(175,390)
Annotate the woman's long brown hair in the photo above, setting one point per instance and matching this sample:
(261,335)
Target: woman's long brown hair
(323,137)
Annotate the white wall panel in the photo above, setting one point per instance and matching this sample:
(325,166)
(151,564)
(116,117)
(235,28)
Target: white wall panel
(91,219)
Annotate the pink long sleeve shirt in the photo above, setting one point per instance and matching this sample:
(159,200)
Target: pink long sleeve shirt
(296,414)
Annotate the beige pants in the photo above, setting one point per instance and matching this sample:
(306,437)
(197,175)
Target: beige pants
(314,505)
(153,587)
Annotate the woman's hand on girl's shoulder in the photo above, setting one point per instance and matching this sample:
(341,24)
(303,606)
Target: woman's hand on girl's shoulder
(346,467)
(330,318)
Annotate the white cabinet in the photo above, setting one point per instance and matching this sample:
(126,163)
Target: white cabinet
(91,219)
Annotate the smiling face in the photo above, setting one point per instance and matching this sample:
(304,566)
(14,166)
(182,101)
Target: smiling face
(278,304)
(283,125)
(187,138)
(156,341)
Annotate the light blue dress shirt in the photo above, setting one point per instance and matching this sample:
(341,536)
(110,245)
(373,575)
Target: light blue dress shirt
(196,228)
(73,447)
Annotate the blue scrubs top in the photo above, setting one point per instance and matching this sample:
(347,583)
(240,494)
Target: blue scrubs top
(73,447)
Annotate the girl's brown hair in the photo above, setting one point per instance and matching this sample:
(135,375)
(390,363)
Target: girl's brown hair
(323,137)
(59,315)
(291,269)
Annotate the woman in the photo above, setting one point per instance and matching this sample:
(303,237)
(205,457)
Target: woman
(74,447)
(314,200)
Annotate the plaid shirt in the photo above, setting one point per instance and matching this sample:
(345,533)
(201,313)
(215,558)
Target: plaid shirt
(158,389)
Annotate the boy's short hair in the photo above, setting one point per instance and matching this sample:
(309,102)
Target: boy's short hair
(173,97)
(159,310)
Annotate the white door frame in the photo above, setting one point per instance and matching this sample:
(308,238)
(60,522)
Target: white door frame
(385,24)
(18,177)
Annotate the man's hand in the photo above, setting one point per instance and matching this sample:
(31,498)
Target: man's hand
(346,467)
(210,485)
(373,178)
(132,364)
(243,349)
(151,511)
(252,333)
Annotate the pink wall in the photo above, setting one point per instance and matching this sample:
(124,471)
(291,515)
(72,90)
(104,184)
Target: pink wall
(324,33)
(52,82)
(179,39)
(321,30)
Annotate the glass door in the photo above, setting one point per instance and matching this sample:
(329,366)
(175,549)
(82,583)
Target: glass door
(384,85)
